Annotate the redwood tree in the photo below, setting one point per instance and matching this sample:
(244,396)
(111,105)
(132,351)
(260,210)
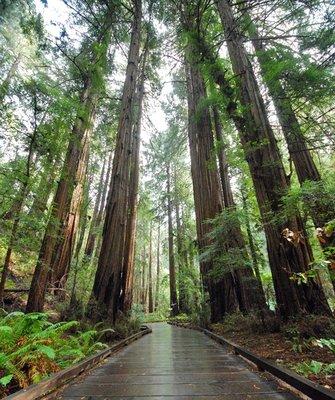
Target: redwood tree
(286,256)
(108,280)
(57,246)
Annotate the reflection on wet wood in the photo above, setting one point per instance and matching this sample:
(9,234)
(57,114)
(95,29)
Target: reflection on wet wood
(174,363)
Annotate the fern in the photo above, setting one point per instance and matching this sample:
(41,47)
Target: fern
(32,347)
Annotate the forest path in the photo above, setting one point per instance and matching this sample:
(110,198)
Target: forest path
(177,364)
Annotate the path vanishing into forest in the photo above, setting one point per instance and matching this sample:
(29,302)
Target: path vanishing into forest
(174,363)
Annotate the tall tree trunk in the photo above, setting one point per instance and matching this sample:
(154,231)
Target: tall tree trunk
(286,256)
(249,290)
(108,278)
(130,235)
(56,249)
(143,280)
(172,267)
(299,152)
(182,260)
(57,245)
(157,267)
(206,189)
(151,301)
(94,220)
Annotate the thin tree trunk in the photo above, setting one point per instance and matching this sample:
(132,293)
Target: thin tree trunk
(253,252)
(94,220)
(79,245)
(143,279)
(45,189)
(151,302)
(157,267)
(270,182)
(172,267)
(108,279)
(182,261)
(17,216)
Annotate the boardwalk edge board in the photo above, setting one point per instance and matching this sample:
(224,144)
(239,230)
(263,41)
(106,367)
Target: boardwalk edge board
(59,379)
(303,385)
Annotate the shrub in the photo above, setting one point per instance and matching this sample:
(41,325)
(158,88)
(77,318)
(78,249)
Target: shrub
(32,347)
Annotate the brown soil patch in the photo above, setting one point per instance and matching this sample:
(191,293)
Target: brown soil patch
(276,347)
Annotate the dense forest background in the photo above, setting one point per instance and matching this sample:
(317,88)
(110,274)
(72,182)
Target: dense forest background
(169,158)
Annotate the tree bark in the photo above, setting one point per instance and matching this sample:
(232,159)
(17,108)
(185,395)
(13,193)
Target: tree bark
(206,189)
(130,235)
(249,291)
(57,245)
(286,256)
(151,301)
(108,278)
(94,220)
(157,267)
(172,266)
(305,167)
(182,257)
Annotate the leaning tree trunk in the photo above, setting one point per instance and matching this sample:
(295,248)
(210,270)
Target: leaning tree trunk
(108,278)
(249,290)
(172,265)
(206,189)
(288,247)
(305,167)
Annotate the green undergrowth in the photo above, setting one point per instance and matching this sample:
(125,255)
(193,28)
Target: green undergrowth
(181,319)
(32,347)
(155,317)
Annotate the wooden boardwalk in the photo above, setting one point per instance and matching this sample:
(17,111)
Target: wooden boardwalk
(177,364)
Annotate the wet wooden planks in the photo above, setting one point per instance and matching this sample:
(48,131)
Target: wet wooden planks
(174,363)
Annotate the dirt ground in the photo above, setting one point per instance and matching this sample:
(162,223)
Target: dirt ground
(276,347)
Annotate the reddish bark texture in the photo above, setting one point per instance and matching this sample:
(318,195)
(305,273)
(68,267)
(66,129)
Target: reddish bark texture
(108,278)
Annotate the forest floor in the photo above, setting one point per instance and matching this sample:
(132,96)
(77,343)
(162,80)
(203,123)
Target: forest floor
(276,347)
(292,346)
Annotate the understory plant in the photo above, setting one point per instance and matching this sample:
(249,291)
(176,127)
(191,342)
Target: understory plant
(31,347)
